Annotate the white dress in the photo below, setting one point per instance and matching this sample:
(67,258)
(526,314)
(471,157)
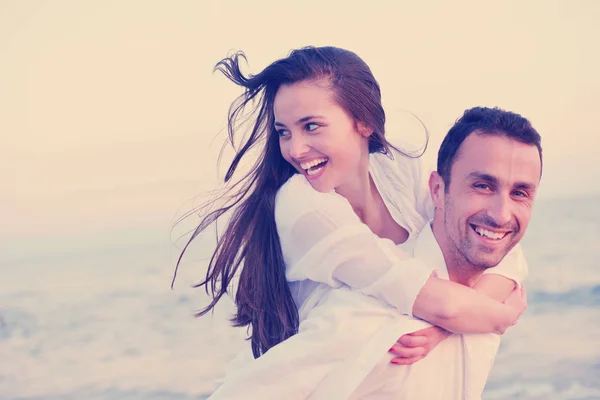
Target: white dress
(348,285)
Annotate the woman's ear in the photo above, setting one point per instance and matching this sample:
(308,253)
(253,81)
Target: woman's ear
(363,129)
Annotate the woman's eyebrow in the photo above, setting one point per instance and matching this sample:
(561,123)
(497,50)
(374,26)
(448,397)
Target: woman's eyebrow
(300,121)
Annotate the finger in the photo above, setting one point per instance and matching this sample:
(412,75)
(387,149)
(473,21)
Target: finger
(407,352)
(412,341)
(406,361)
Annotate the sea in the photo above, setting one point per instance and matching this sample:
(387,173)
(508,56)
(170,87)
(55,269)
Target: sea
(93,316)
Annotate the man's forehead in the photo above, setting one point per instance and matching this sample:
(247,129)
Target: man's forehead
(503,180)
(498,156)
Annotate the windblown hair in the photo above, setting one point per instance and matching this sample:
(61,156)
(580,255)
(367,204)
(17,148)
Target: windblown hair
(250,240)
(485,121)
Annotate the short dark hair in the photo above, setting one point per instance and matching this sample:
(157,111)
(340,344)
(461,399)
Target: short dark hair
(487,121)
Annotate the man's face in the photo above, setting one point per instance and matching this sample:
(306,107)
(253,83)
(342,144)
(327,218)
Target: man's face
(488,204)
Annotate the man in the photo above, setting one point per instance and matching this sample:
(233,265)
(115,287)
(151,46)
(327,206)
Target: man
(488,171)
(489,168)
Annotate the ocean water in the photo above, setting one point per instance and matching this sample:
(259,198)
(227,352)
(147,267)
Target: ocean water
(93,317)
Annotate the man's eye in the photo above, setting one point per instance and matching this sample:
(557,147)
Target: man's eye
(519,193)
(483,186)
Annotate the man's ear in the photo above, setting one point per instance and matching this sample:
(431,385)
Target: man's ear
(437,190)
(363,129)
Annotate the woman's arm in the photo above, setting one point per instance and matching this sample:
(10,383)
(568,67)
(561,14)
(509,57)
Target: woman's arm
(461,309)
(323,240)
(495,286)
(414,346)
(495,283)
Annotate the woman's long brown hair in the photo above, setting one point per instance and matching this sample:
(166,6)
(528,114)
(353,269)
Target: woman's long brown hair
(250,240)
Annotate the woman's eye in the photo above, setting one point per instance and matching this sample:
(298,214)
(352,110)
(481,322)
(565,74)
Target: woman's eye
(283,132)
(311,126)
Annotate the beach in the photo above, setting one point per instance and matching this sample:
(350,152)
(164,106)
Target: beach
(93,317)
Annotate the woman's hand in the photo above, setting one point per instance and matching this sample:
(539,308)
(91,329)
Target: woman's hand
(412,347)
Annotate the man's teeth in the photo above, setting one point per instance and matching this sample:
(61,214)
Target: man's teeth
(489,234)
(309,164)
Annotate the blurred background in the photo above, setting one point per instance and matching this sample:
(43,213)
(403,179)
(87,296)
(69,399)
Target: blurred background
(111,122)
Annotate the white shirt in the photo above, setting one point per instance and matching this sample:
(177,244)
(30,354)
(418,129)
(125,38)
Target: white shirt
(331,257)
(456,369)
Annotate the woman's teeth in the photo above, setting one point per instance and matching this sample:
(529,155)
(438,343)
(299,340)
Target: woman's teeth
(314,171)
(314,166)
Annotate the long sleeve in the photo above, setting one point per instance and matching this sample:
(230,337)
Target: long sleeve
(323,240)
(346,333)
(513,266)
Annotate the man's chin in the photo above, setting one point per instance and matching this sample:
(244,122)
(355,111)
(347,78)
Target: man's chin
(486,261)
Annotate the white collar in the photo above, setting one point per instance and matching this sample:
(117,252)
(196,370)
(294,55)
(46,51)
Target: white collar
(428,250)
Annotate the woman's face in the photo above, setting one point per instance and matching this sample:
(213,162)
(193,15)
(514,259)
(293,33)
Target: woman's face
(318,137)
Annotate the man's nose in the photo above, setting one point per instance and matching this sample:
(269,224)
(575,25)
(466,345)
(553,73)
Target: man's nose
(500,209)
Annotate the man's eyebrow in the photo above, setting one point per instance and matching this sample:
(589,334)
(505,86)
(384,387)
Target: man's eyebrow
(482,176)
(300,121)
(492,179)
(525,185)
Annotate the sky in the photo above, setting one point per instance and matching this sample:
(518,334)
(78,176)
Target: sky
(110,114)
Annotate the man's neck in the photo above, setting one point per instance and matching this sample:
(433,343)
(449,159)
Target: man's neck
(460,270)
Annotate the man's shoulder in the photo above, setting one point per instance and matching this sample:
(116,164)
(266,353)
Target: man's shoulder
(427,249)
(424,239)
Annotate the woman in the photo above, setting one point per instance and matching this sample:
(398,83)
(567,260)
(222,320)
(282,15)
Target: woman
(325,202)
